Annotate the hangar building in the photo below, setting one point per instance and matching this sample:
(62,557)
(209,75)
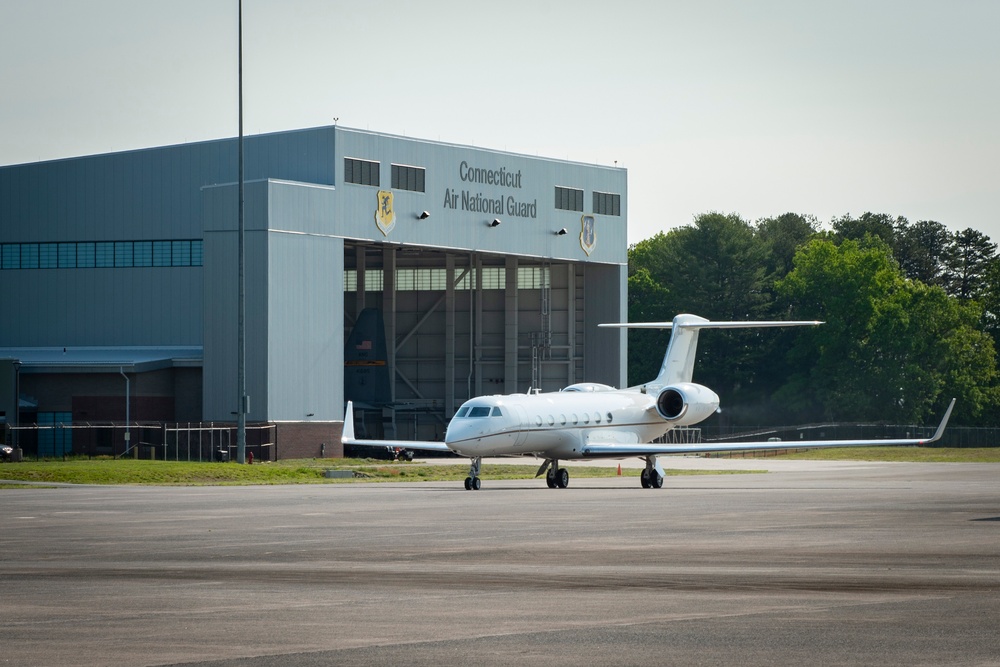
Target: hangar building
(488,272)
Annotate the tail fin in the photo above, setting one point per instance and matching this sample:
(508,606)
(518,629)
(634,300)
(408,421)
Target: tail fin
(678,362)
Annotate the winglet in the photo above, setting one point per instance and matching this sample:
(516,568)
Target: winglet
(348,434)
(944,422)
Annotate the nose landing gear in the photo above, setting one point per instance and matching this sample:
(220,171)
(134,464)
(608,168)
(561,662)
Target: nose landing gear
(472,482)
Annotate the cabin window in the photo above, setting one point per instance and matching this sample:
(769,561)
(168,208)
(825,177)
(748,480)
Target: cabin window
(463,412)
(597,417)
(552,420)
(479,412)
(609,417)
(576,420)
(496,412)
(538,420)
(586,418)
(562,419)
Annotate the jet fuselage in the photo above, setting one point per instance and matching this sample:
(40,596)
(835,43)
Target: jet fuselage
(555,424)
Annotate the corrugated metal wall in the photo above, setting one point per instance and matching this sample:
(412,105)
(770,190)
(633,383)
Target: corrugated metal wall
(152,194)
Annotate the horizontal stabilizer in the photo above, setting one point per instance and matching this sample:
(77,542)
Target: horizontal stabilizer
(707,324)
(678,363)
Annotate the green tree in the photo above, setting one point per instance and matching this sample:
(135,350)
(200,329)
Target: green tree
(713,268)
(989,298)
(966,263)
(892,349)
(648,301)
(875,224)
(921,250)
(781,237)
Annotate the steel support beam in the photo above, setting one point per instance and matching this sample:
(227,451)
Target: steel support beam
(389,315)
(510,355)
(449,337)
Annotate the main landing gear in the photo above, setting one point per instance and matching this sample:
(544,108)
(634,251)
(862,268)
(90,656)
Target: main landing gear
(472,482)
(556,477)
(651,477)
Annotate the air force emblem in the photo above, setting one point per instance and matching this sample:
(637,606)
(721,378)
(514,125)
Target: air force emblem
(588,235)
(385,217)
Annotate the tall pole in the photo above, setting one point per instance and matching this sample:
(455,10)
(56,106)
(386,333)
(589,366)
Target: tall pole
(128,429)
(17,404)
(241,410)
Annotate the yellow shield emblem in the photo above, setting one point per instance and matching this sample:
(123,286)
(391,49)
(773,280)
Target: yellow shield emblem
(588,235)
(385,217)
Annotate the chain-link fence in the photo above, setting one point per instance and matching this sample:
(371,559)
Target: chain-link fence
(193,441)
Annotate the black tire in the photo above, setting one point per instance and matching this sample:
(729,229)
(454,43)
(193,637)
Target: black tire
(656,480)
(468,483)
(476,483)
(644,479)
(562,480)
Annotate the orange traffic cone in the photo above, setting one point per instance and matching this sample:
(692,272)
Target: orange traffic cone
(619,469)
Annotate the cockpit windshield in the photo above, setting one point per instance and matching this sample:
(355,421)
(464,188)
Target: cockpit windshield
(479,411)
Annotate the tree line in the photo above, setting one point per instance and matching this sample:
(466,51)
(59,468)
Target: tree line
(910,310)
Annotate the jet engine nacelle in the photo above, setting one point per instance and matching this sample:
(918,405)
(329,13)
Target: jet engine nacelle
(686,403)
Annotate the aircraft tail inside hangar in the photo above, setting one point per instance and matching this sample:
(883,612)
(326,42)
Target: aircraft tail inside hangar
(489,272)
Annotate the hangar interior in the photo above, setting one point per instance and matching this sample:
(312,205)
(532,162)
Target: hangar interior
(489,272)
(463,326)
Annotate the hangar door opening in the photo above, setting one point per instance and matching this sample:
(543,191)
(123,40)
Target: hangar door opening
(456,325)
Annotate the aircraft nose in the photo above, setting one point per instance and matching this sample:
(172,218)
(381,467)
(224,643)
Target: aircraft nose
(451,434)
(462,430)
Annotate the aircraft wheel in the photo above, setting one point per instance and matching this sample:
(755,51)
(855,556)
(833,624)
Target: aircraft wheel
(550,479)
(562,480)
(476,483)
(644,479)
(468,483)
(655,480)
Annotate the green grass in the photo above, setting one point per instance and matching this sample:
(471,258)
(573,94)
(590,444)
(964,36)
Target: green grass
(311,471)
(302,471)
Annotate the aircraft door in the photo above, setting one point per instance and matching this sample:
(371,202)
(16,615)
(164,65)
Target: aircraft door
(522,425)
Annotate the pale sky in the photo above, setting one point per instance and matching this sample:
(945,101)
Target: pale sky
(751,107)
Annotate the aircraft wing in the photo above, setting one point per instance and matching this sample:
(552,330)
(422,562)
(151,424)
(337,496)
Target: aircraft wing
(597,450)
(348,437)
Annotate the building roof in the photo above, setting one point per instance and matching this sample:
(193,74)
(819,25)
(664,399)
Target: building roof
(103,359)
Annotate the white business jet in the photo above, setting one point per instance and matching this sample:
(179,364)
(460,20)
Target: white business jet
(591,420)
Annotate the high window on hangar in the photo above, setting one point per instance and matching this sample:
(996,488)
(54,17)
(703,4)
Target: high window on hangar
(485,271)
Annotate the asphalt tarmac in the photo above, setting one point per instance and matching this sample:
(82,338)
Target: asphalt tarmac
(812,563)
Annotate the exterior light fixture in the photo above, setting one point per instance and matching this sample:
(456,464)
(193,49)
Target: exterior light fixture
(424,215)
(495,223)
(561,232)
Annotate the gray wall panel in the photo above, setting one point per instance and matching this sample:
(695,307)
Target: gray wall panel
(457,228)
(221,304)
(102,307)
(605,349)
(305,328)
